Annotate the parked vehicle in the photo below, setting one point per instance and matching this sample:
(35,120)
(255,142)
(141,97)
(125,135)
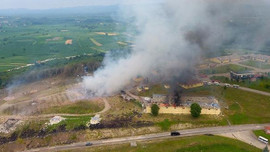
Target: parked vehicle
(262,139)
(88,144)
(236,86)
(175,133)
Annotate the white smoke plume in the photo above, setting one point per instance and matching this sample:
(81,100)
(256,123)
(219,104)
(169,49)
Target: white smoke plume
(174,34)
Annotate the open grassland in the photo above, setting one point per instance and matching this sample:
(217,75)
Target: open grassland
(261,133)
(261,84)
(78,107)
(225,69)
(186,144)
(256,64)
(242,107)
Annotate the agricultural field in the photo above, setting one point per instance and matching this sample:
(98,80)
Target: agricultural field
(25,40)
(185,144)
(256,64)
(78,107)
(226,69)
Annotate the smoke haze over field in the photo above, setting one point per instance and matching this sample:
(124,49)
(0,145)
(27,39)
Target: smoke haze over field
(173,37)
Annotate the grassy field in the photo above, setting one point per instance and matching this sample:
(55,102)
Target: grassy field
(225,69)
(261,133)
(79,107)
(256,64)
(186,144)
(71,122)
(262,84)
(243,107)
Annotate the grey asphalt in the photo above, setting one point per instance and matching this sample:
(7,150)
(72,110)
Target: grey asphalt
(164,135)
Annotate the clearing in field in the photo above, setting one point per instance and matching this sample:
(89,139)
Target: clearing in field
(68,42)
(104,33)
(122,43)
(78,107)
(95,42)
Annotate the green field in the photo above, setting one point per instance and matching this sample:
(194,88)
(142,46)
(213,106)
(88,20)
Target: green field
(243,107)
(26,40)
(186,144)
(71,122)
(226,69)
(256,64)
(79,107)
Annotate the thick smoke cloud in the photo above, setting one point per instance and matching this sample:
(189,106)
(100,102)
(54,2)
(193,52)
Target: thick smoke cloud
(174,35)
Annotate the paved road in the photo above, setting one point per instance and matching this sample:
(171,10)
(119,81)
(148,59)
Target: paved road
(165,135)
(246,136)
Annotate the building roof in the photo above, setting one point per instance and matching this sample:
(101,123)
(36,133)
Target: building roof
(267,128)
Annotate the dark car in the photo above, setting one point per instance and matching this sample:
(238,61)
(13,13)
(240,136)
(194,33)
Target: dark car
(175,133)
(88,144)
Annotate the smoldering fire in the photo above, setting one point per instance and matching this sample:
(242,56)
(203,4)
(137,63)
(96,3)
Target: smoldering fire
(174,35)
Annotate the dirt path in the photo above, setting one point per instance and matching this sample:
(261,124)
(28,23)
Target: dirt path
(107,106)
(23,117)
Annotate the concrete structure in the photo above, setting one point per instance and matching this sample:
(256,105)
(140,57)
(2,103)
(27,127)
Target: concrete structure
(95,120)
(56,120)
(158,98)
(241,76)
(9,125)
(209,106)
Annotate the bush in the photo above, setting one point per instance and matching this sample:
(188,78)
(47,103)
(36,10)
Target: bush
(154,109)
(195,110)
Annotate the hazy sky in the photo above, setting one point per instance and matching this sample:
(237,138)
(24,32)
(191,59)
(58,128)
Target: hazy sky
(47,4)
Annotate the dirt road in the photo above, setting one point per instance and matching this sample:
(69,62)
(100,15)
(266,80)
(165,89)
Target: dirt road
(25,117)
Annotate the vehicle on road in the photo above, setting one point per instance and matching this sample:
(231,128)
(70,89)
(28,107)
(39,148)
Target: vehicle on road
(88,144)
(175,133)
(236,86)
(227,85)
(262,139)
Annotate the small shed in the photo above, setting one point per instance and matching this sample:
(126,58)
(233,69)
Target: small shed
(267,129)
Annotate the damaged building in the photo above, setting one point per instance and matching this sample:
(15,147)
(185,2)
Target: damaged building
(9,125)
